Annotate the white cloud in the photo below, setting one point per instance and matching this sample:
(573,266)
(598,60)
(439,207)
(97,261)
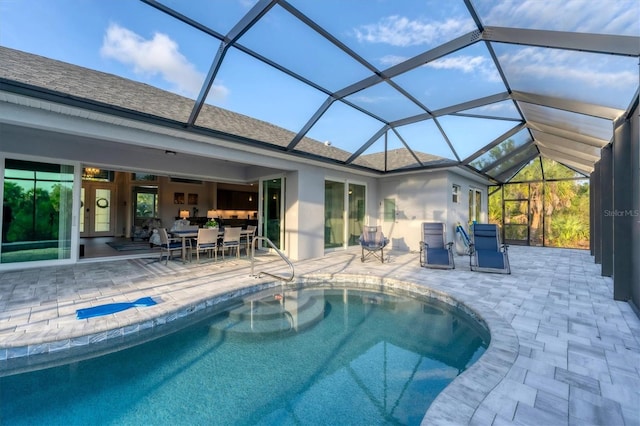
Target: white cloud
(391,60)
(605,17)
(402,32)
(463,63)
(468,64)
(369,99)
(536,64)
(159,55)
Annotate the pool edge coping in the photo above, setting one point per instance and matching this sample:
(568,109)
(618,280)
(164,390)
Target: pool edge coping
(456,404)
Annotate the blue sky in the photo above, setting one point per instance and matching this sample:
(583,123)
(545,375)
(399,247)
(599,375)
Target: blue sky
(130,39)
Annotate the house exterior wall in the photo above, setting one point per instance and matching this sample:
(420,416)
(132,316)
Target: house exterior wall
(58,136)
(459,212)
(418,198)
(426,197)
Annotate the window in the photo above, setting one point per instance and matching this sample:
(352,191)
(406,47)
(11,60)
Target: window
(189,181)
(455,193)
(36,211)
(475,205)
(143,177)
(146,202)
(389,209)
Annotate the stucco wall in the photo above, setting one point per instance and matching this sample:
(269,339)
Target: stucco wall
(459,212)
(425,197)
(418,198)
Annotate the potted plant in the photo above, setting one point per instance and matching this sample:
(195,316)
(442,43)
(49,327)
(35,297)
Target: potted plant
(211,223)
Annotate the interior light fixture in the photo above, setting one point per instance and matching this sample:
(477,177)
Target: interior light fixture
(184,214)
(91,171)
(211,214)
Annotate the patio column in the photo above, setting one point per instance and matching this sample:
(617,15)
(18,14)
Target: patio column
(606,210)
(597,214)
(625,214)
(592,212)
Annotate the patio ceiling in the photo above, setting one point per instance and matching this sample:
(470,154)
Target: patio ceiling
(498,85)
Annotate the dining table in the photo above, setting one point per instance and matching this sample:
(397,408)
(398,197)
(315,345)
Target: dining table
(184,234)
(193,233)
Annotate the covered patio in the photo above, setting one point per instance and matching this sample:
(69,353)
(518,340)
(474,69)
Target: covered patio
(562,350)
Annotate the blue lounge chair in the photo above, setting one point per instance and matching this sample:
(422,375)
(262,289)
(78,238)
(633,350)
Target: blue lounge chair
(434,252)
(373,241)
(487,254)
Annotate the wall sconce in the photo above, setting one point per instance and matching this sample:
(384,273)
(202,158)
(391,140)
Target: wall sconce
(211,214)
(250,198)
(184,214)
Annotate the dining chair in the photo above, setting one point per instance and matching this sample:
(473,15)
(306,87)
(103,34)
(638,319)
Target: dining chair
(231,239)
(206,241)
(168,245)
(247,237)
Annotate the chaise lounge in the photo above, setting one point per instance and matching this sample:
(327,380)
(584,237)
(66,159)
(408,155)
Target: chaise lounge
(434,252)
(487,254)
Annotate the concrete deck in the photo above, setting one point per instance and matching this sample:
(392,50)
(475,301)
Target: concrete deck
(563,352)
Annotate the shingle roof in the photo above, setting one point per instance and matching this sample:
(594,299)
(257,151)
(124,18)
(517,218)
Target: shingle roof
(111,90)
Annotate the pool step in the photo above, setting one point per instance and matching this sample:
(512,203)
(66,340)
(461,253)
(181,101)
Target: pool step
(271,316)
(269,308)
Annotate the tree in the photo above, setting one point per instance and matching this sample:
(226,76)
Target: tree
(558,200)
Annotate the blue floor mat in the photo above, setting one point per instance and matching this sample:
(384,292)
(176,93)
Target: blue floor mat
(111,308)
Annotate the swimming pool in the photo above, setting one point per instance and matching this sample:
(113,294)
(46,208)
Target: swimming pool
(313,355)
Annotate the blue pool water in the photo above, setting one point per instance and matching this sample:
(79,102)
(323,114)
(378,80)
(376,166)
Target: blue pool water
(313,356)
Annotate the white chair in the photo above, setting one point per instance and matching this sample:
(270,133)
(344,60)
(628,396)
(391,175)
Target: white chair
(247,237)
(207,241)
(231,240)
(168,245)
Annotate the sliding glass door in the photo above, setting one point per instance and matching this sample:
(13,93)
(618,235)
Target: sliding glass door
(356,198)
(272,192)
(334,214)
(36,211)
(344,211)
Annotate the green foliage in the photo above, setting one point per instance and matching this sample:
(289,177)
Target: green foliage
(35,212)
(145,205)
(568,231)
(562,205)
